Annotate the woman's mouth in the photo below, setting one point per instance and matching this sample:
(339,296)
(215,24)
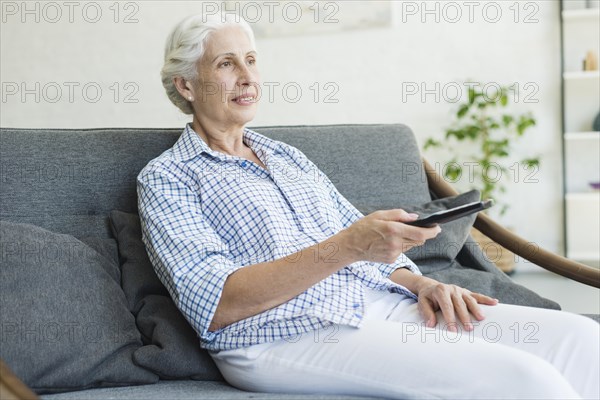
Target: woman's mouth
(244,100)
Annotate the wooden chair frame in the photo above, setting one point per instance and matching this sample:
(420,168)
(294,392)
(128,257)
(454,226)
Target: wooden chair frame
(11,387)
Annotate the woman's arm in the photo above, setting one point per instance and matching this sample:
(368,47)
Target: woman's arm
(378,237)
(259,287)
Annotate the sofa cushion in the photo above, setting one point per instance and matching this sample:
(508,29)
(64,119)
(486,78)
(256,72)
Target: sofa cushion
(172,349)
(65,323)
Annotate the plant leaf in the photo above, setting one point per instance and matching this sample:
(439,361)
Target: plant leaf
(431,143)
(462,111)
(507,120)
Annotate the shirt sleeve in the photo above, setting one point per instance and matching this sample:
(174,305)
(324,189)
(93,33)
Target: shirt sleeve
(350,214)
(189,257)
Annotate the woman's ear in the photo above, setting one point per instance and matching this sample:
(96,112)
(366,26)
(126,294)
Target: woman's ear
(184,88)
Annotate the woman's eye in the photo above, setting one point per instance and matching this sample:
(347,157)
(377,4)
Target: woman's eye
(252,61)
(225,64)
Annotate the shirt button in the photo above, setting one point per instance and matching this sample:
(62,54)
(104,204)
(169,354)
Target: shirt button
(358,315)
(243,164)
(356,305)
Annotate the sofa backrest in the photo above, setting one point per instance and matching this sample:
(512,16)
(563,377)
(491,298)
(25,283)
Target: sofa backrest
(69,180)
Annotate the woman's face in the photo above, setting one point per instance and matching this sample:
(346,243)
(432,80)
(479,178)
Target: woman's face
(228,84)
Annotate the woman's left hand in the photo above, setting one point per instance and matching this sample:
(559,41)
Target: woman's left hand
(454,302)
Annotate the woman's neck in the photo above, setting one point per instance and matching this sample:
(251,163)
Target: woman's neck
(228,140)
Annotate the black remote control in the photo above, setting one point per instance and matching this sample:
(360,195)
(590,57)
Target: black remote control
(444,216)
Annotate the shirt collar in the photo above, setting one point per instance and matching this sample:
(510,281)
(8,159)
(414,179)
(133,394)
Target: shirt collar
(191,145)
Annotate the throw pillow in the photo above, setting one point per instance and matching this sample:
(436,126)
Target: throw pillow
(105,247)
(172,348)
(438,253)
(64,323)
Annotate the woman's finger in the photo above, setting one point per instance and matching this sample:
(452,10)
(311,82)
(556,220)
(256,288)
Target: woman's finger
(420,234)
(444,300)
(409,244)
(427,311)
(483,299)
(462,310)
(473,306)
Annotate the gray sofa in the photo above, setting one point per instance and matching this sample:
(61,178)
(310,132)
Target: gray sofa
(65,184)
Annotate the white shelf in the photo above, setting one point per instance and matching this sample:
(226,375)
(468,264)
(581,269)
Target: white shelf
(585,196)
(582,14)
(581,75)
(595,135)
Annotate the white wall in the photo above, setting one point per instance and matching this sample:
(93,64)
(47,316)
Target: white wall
(370,68)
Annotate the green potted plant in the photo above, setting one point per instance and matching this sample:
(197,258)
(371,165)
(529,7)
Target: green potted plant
(479,143)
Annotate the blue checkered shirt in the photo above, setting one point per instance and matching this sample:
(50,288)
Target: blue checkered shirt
(206,214)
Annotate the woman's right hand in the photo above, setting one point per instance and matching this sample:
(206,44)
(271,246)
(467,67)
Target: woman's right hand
(382,236)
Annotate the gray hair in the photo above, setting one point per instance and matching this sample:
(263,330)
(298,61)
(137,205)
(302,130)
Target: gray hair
(186,45)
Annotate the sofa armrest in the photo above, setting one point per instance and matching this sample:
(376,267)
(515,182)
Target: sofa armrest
(505,238)
(11,387)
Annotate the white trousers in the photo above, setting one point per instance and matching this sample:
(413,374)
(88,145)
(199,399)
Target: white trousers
(515,353)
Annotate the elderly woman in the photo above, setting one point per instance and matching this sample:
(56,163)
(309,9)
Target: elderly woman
(291,289)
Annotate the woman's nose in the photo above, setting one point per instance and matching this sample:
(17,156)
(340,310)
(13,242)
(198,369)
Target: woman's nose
(246,75)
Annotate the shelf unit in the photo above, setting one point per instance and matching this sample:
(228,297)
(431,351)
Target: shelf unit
(580,29)
(580,14)
(581,75)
